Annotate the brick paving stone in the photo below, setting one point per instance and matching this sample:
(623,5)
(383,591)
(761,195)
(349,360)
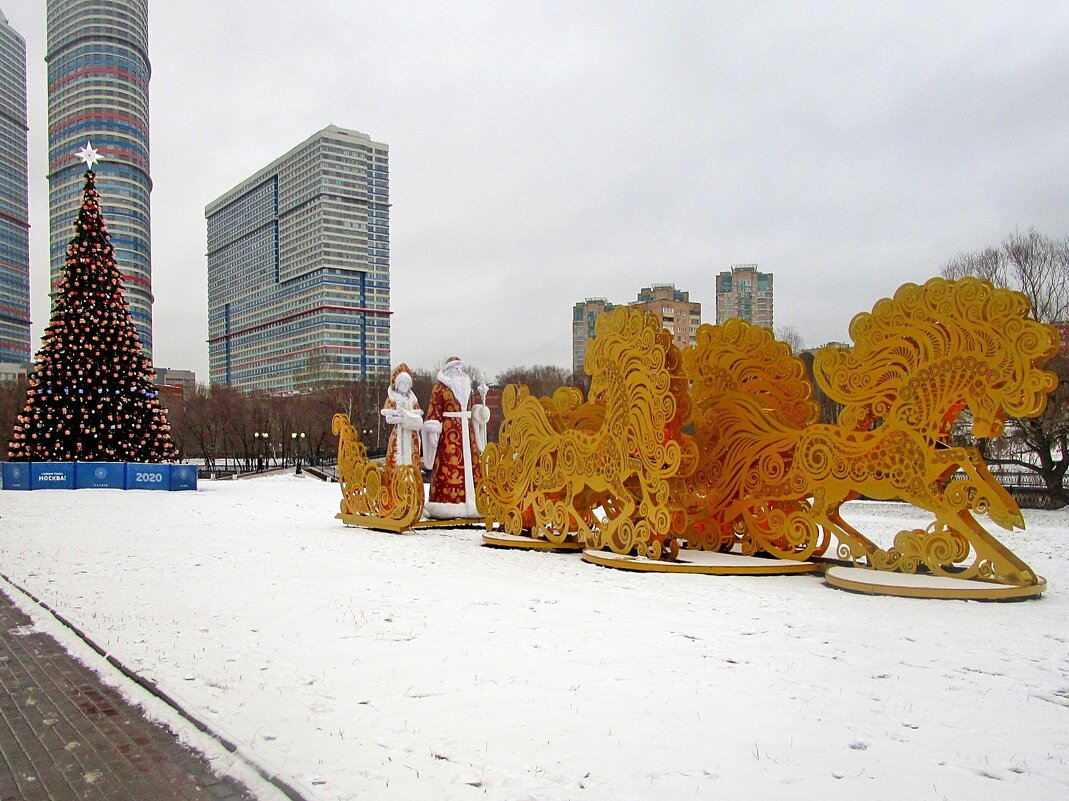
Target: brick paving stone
(65,736)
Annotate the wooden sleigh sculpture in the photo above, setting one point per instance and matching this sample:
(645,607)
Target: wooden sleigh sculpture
(719,448)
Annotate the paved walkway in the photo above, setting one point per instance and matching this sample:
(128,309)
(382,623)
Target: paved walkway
(65,736)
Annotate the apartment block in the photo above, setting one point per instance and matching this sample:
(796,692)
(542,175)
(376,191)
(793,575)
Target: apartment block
(299,269)
(678,313)
(584,315)
(744,293)
(184,381)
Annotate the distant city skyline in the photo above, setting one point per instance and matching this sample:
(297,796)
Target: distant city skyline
(542,153)
(679,315)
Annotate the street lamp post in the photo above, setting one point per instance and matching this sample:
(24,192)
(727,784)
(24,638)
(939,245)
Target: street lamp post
(261,440)
(298,438)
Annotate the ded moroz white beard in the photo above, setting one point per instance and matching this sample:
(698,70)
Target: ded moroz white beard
(459,383)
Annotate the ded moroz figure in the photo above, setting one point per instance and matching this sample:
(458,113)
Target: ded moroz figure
(403,414)
(451,443)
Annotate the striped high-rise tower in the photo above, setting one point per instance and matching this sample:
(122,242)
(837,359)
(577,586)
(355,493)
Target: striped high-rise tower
(98,74)
(14,201)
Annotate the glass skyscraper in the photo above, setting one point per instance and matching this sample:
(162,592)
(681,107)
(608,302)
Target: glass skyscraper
(14,200)
(299,269)
(98,75)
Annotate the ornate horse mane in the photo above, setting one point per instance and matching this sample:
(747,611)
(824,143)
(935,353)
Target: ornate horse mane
(922,355)
(599,467)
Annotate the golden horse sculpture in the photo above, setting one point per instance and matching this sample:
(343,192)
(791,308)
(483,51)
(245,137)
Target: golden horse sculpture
(772,480)
(373,496)
(600,469)
(760,473)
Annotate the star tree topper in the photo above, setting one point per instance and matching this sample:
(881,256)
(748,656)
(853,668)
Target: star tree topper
(88,155)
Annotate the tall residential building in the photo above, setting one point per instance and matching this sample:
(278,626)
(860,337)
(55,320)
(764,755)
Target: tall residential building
(299,269)
(584,316)
(679,314)
(14,200)
(744,293)
(98,74)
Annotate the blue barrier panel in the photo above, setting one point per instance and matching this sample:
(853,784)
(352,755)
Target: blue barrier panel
(148,476)
(16,475)
(183,477)
(99,475)
(51,475)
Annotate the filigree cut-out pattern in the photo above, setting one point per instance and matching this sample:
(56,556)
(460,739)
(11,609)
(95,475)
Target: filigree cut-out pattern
(760,474)
(770,481)
(598,470)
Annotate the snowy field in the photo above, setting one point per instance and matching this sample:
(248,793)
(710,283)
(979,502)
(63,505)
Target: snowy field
(364,665)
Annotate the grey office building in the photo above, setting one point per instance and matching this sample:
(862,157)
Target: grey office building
(299,269)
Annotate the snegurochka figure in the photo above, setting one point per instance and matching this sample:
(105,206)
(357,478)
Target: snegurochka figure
(403,414)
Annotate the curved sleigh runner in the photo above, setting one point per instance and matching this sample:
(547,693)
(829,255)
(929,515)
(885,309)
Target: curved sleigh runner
(374,496)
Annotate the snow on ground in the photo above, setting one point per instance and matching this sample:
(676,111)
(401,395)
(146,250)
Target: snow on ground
(359,664)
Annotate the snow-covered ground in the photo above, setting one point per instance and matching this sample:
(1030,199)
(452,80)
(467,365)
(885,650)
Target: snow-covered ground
(359,664)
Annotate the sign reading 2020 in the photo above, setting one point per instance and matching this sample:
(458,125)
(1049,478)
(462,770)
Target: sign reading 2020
(99,475)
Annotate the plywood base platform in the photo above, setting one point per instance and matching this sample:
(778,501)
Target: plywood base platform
(460,522)
(403,527)
(499,539)
(710,562)
(878,582)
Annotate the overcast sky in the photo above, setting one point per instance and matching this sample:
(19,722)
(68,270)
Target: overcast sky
(544,152)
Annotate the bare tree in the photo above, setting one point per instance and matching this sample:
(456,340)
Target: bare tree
(790,335)
(541,379)
(1037,266)
(1030,263)
(12,402)
(175,405)
(203,423)
(422,383)
(830,409)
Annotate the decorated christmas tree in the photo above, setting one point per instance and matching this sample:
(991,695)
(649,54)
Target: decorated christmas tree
(90,395)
